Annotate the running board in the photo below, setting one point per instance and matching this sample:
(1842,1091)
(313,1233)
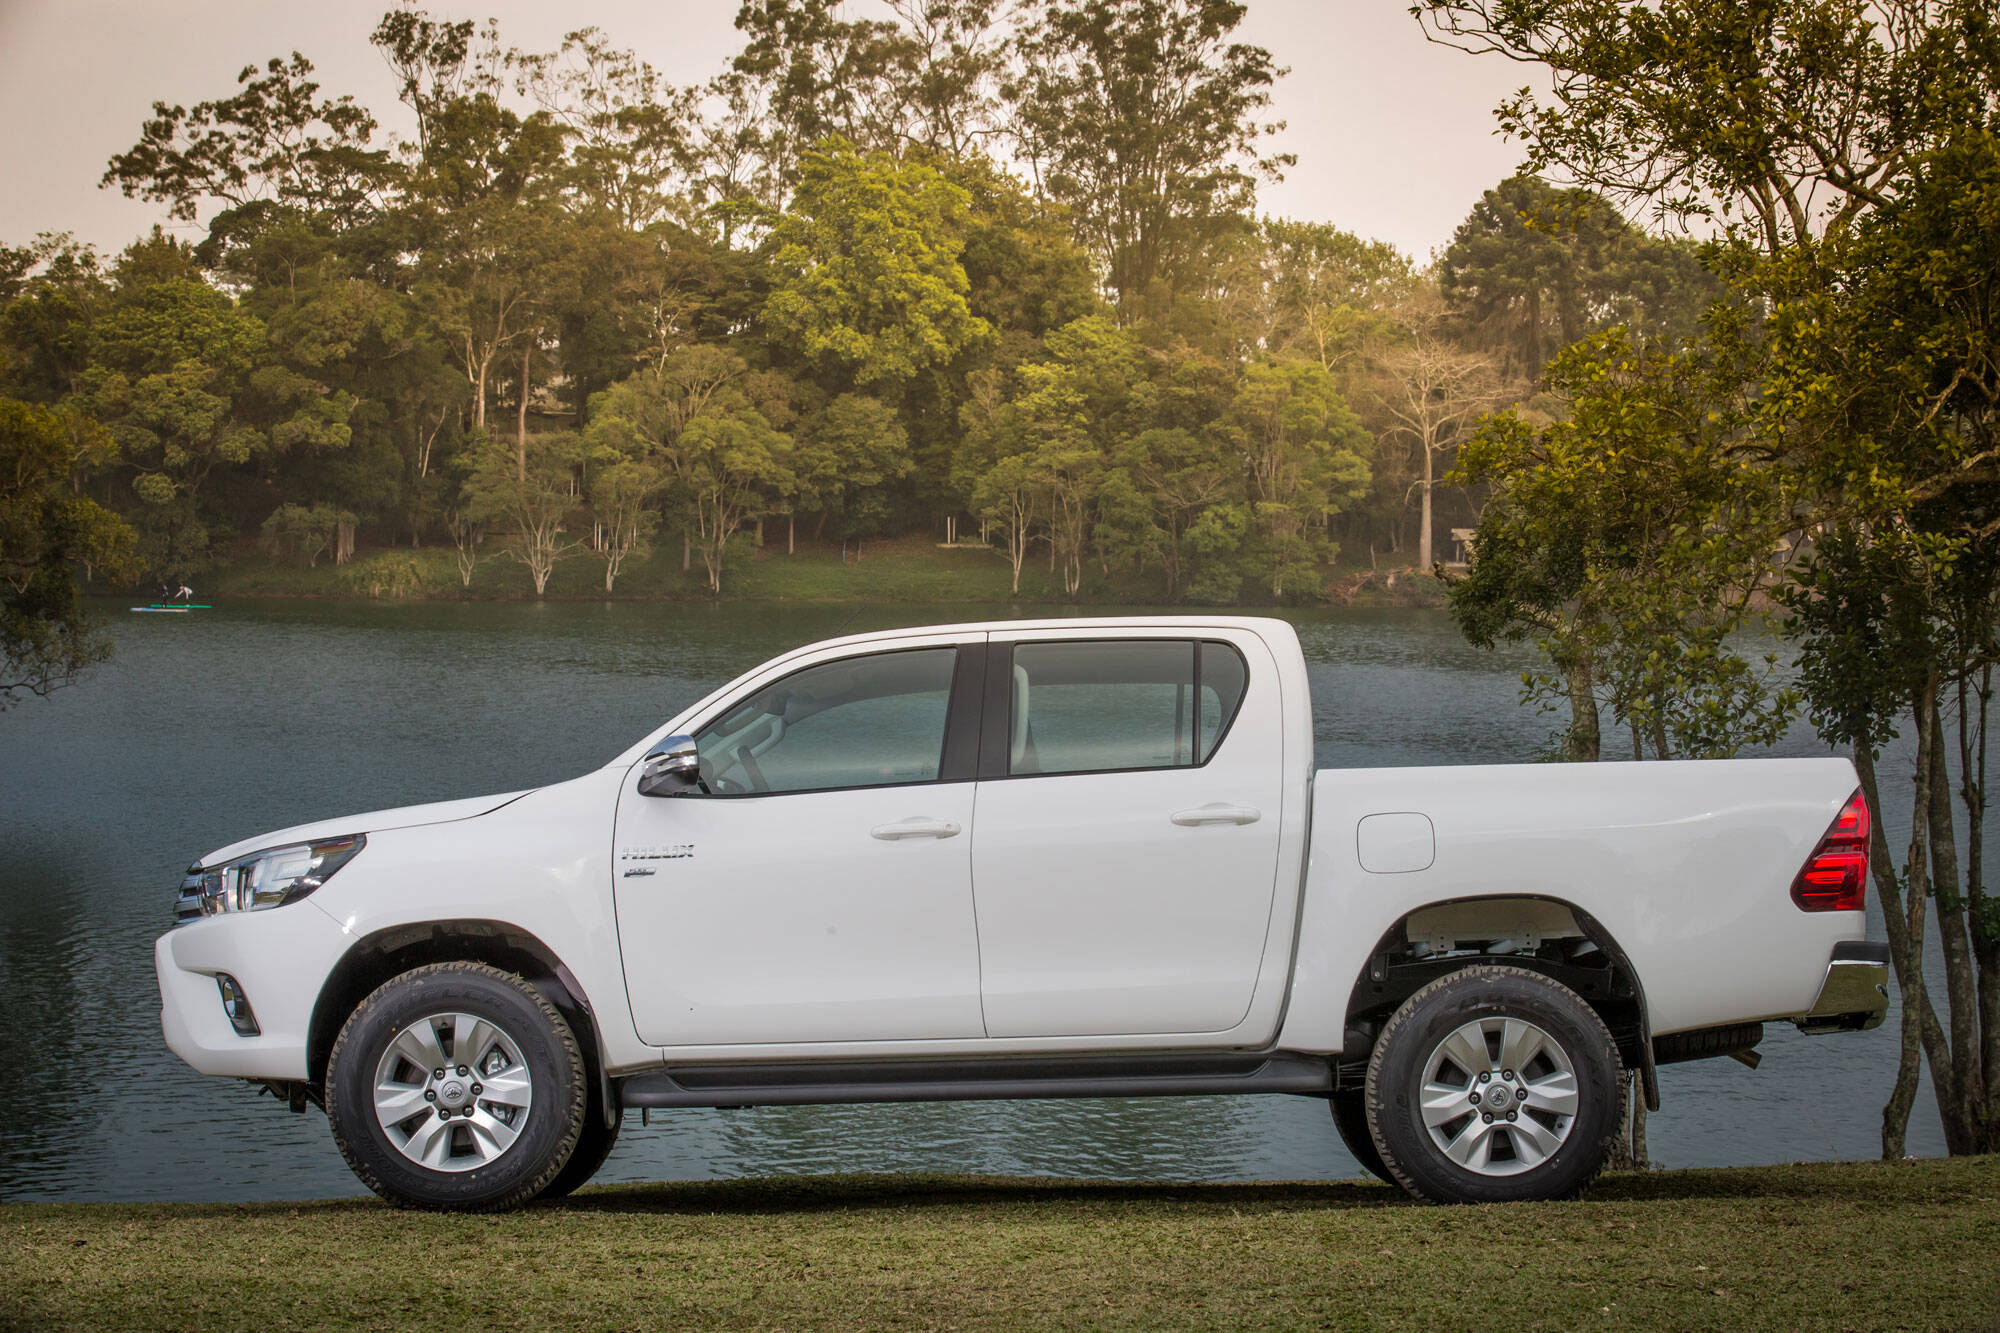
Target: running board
(822,1082)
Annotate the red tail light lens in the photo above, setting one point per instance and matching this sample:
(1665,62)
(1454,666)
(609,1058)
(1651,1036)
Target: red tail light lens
(1835,876)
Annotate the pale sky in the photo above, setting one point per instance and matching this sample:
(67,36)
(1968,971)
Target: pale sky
(1394,136)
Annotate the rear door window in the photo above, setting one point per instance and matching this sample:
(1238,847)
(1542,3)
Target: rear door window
(1112,705)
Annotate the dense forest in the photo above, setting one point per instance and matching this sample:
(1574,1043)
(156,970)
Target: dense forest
(990,273)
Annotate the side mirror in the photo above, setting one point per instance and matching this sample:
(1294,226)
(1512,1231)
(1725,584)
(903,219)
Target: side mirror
(672,769)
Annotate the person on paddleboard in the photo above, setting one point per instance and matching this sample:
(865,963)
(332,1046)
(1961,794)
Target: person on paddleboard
(186,594)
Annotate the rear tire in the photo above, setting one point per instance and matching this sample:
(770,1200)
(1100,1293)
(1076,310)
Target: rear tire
(456,1087)
(1492,1085)
(1350,1116)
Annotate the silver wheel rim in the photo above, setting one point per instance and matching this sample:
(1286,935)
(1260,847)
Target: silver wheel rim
(452,1092)
(1499,1096)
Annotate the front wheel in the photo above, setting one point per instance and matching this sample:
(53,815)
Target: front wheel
(456,1086)
(1494,1084)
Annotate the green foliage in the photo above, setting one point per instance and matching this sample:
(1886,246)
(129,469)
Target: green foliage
(866,267)
(47,640)
(1627,541)
(308,532)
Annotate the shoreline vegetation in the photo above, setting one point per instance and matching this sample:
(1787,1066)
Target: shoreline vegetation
(1850,1245)
(905,569)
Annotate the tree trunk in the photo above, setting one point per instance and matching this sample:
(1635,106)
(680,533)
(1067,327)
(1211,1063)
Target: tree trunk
(1424,524)
(791,534)
(521,420)
(687,550)
(1961,992)
(1581,744)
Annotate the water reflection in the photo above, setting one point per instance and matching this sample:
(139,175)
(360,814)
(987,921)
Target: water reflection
(222,725)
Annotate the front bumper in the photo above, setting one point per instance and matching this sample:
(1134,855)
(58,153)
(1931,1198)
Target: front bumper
(1855,994)
(280,957)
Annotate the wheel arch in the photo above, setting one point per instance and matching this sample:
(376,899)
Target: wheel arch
(1448,935)
(394,950)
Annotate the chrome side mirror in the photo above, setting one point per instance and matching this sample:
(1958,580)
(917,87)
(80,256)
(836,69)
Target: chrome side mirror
(672,769)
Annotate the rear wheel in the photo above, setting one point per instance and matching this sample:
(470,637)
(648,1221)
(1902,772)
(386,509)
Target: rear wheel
(1494,1084)
(456,1086)
(1350,1116)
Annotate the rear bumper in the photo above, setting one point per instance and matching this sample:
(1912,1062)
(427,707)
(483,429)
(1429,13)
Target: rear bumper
(1855,993)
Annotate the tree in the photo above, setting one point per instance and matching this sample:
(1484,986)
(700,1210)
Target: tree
(1792,117)
(1140,116)
(308,530)
(531,491)
(1432,390)
(845,460)
(620,497)
(1305,456)
(1535,268)
(724,462)
(867,279)
(1889,381)
(1325,290)
(47,639)
(1628,541)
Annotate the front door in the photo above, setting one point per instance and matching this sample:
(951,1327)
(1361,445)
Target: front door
(1125,856)
(820,890)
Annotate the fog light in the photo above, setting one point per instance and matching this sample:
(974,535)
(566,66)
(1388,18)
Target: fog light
(237,1005)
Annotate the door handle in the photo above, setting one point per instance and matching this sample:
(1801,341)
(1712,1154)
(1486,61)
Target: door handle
(1217,813)
(914,828)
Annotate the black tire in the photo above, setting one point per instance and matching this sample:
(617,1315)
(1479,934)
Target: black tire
(1416,1035)
(557,1098)
(1350,1116)
(593,1146)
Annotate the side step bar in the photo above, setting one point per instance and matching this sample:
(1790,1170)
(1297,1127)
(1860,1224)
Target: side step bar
(822,1082)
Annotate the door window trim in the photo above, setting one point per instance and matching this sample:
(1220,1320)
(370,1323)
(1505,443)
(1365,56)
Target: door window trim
(997,714)
(958,757)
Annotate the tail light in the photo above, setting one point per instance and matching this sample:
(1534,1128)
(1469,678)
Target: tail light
(1835,876)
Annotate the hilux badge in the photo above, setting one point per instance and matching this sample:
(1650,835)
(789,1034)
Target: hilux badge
(666,851)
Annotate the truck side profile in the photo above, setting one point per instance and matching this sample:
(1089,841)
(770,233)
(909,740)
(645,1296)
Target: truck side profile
(1060,858)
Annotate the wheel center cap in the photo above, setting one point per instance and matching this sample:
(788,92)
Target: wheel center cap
(1500,1097)
(451,1093)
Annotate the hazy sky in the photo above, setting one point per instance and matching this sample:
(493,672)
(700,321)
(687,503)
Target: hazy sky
(1394,135)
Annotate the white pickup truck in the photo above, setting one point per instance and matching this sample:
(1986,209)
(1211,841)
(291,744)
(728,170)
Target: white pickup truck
(1070,858)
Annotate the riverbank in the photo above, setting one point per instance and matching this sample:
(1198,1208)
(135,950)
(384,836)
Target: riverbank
(904,569)
(1852,1245)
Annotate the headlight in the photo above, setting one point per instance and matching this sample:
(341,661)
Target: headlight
(270,878)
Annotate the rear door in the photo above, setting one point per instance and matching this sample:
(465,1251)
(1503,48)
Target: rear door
(1126,839)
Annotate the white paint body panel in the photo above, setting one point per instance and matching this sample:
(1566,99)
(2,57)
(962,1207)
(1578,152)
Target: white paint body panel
(1097,923)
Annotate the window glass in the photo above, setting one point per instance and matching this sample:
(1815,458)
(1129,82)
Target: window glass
(1092,707)
(861,722)
(1223,677)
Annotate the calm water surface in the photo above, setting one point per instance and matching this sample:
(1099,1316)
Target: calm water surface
(223,724)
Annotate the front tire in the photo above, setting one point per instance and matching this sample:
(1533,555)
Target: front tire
(1492,1085)
(456,1086)
(1350,1116)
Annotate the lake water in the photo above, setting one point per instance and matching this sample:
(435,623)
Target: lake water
(222,724)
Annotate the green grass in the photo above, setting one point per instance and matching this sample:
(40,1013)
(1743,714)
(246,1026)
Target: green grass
(903,569)
(1859,1246)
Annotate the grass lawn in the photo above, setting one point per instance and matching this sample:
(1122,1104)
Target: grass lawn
(901,569)
(1855,1246)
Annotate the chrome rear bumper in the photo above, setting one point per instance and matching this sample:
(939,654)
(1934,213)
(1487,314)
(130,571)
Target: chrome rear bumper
(1855,994)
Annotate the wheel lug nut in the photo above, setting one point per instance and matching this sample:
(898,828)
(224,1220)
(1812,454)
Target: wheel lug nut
(462,1071)
(1487,1118)
(1521,1094)
(444,1113)
(1508,1075)
(1475,1099)
(1510,1115)
(476,1089)
(429,1095)
(437,1073)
